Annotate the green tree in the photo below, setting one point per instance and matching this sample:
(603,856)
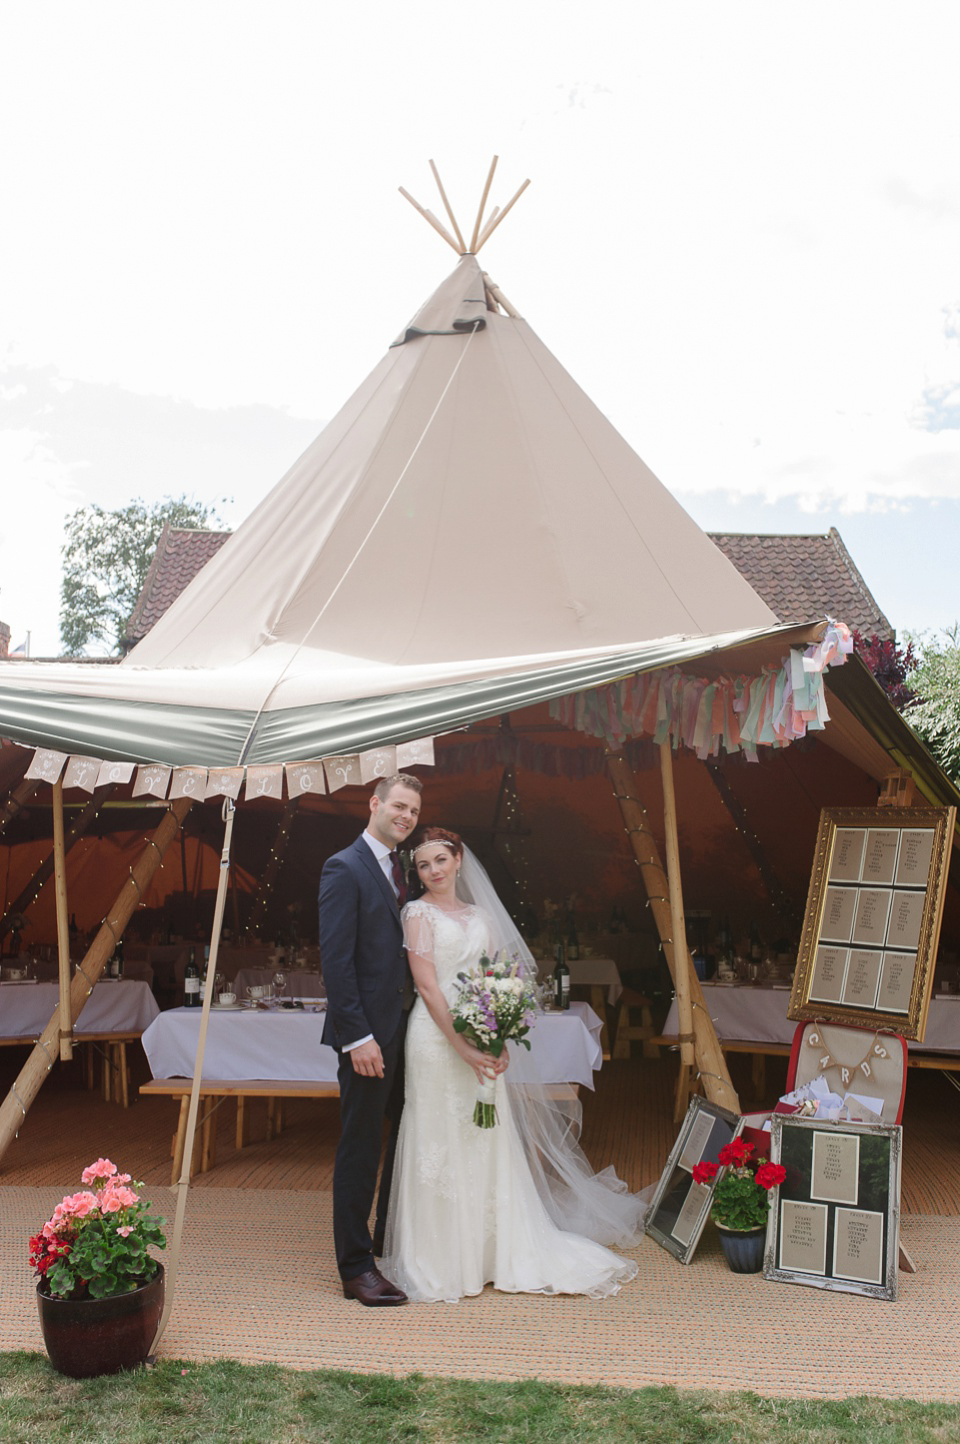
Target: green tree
(106,556)
(936,713)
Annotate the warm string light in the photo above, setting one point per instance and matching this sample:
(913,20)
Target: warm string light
(262,897)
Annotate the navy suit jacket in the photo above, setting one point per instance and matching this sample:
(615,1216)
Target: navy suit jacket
(361,949)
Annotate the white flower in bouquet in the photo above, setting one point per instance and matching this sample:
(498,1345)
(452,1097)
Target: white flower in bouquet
(494,1005)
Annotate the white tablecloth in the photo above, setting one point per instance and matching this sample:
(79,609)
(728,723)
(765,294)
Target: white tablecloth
(299,985)
(759,1015)
(26,1008)
(285,1044)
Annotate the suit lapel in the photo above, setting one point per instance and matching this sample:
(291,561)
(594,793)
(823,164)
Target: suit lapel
(370,862)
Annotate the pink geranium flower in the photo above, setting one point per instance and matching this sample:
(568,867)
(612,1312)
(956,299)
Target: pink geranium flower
(125,1230)
(103,1168)
(112,1199)
(78,1205)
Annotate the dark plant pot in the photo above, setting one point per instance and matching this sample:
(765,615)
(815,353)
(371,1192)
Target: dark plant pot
(743,1248)
(85,1337)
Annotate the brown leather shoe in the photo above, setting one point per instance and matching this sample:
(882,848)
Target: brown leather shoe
(373,1290)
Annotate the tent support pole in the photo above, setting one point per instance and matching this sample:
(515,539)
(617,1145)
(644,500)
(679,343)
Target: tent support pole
(13,1110)
(63,928)
(183,1182)
(682,968)
(76,830)
(709,1057)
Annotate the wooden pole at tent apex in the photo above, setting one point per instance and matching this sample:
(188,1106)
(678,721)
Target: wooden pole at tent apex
(710,1061)
(448,208)
(29,1081)
(682,968)
(63,928)
(483,202)
(482,230)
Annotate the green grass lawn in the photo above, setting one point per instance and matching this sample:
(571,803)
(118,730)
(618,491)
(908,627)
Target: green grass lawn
(176,1402)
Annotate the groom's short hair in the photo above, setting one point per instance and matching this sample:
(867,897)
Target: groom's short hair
(386,785)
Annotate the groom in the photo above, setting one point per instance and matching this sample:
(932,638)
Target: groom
(368,988)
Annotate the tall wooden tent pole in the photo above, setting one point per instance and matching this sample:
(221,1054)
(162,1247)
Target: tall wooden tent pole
(682,968)
(707,1052)
(63,929)
(13,1110)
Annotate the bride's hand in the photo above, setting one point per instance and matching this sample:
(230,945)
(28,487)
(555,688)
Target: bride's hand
(485,1066)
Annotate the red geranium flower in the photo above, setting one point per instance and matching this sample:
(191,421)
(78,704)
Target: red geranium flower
(705,1172)
(770,1174)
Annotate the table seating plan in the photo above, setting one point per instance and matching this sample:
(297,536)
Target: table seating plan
(873,916)
(835,1220)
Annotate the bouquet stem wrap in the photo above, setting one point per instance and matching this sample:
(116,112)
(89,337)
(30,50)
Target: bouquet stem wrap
(485,1112)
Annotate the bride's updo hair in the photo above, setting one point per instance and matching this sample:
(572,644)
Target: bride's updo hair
(443,835)
(421,837)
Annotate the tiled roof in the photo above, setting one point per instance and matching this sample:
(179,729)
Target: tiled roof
(181,552)
(804,577)
(800,577)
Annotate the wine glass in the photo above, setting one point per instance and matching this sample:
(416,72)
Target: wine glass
(280,983)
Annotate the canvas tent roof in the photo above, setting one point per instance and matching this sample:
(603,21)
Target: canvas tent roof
(468,534)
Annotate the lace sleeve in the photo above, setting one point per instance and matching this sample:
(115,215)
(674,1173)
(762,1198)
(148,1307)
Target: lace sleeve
(418,929)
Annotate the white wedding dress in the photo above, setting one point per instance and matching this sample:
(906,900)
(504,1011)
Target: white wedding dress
(471,1206)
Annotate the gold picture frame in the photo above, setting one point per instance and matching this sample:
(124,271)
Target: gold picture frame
(872,923)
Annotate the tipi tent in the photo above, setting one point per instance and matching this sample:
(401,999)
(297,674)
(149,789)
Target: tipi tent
(468,533)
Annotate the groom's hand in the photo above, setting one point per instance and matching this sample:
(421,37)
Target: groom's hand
(367,1059)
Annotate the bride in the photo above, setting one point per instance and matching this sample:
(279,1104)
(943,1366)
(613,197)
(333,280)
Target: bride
(516,1205)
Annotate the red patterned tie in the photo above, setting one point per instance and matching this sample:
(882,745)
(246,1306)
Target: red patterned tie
(399,881)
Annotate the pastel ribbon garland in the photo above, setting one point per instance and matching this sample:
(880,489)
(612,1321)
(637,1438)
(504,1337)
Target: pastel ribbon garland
(772,709)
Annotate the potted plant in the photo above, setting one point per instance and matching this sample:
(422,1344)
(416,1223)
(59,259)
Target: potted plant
(99,1290)
(741,1201)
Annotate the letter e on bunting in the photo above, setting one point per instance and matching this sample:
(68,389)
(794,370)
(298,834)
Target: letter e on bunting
(342,772)
(151,781)
(305,777)
(189,782)
(264,782)
(224,782)
(380,762)
(415,754)
(45,765)
(82,772)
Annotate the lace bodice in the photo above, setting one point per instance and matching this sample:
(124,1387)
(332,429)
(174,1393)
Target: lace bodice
(454,940)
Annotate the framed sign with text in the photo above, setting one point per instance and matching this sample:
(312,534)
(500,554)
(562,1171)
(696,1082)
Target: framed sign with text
(680,1207)
(835,1220)
(872,923)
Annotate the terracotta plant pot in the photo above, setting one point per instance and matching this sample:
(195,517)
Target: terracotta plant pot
(743,1248)
(85,1337)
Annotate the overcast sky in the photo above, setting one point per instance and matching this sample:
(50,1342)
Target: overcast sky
(742,239)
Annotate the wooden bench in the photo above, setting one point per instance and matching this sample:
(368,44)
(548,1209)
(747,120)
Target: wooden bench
(112,1047)
(214,1092)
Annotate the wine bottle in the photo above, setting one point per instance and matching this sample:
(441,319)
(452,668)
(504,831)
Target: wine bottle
(118,960)
(561,979)
(191,982)
(573,942)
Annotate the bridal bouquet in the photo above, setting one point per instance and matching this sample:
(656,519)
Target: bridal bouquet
(494,1005)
